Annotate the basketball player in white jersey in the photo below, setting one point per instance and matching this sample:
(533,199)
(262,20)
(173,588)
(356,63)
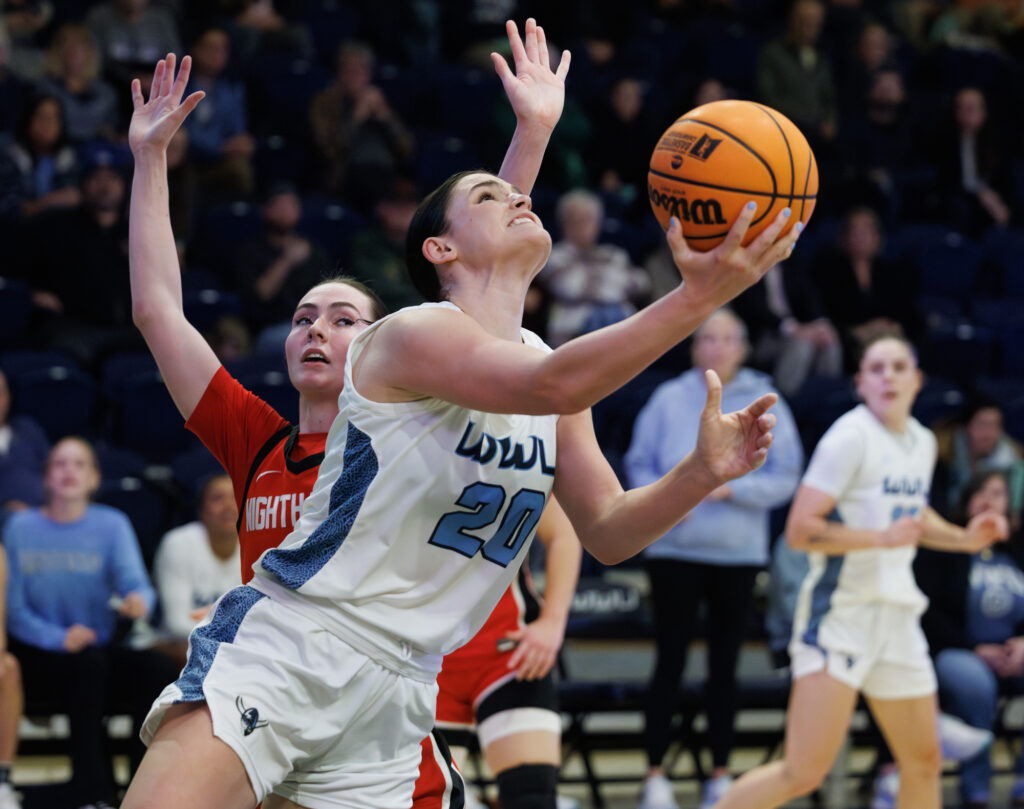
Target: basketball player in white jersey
(314,685)
(860,512)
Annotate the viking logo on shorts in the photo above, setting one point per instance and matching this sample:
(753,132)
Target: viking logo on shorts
(250,717)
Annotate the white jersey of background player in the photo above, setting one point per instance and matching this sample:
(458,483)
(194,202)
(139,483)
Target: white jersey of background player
(388,550)
(875,476)
(860,512)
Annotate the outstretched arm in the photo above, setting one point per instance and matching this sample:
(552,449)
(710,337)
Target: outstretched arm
(186,361)
(613,524)
(537,96)
(981,531)
(448,355)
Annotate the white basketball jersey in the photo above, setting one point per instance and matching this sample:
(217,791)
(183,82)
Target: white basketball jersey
(876,476)
(420,517)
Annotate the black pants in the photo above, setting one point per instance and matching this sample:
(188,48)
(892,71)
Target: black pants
(677,589)
(87,686)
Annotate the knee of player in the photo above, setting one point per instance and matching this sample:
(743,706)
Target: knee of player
(925,761)
(803,777)
(528,786)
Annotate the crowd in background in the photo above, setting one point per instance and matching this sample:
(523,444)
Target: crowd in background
(325,122)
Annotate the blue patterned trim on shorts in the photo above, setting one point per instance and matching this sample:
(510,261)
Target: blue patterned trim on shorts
(293,567)
(206,640)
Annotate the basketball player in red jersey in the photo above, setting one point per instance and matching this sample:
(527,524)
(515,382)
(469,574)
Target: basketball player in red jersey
(272,463)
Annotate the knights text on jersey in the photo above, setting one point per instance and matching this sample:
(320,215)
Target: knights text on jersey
(234,424)
(420,518)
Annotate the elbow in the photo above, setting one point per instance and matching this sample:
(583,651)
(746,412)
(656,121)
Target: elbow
(143,315)
(559,397)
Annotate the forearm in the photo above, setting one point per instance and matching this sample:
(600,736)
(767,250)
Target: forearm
(589,368)
(153,256)
(942,535)
(834,538)
(524,156)
(561,573)
(634,519)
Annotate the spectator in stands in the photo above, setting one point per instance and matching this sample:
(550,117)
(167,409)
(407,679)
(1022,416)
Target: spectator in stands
(75,568)
(196,563)
(23,450)
(713,555)
(627,128)
(973,165)
(360,140)
(975,629)
(219,140)
(377,254)
(38,169)
(130,33)
(79,280)
(863,292)
(28,24)
(794,76)
(584,278)
(872,51)
(977,442)
(279,264)
(73,76)
(14,90)
(12,698)
(229,338)
(258,27)
(790,335)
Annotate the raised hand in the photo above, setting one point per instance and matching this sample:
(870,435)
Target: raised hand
(536,93)
(721,274)
(732,444)
(154,122)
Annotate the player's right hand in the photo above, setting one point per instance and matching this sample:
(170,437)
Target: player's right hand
(154,122)
(905,531)
(719,275)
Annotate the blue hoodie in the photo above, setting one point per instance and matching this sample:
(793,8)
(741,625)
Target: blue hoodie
(65,573)
(732,531)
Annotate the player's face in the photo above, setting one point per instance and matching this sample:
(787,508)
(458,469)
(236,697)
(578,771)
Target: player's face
(324,323)
(491,221)
(71,473)
(218,511)
(992,496)
(889,379)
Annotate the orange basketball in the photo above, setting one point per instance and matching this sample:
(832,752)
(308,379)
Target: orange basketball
(720,156)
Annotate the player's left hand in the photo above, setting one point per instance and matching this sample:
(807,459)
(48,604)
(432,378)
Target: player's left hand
(984,529)
(732,444)
(538,647)
(535,92)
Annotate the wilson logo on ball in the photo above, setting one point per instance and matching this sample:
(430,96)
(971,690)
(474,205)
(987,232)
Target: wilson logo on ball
(704,146)
(697,211)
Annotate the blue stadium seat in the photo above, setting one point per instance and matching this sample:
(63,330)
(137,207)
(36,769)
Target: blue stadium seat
(440,154)
(1003,250)
(959,351)
(120,367)
(947,260)
(191,468)
(145,419)
(463,98)
(145,506)
(938,399)
(15,310)
(118,462)
(204,307)
(274,388)
(280,158)
(332,224)
(18,361)
(61,398)
(219,232)
(281,87)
